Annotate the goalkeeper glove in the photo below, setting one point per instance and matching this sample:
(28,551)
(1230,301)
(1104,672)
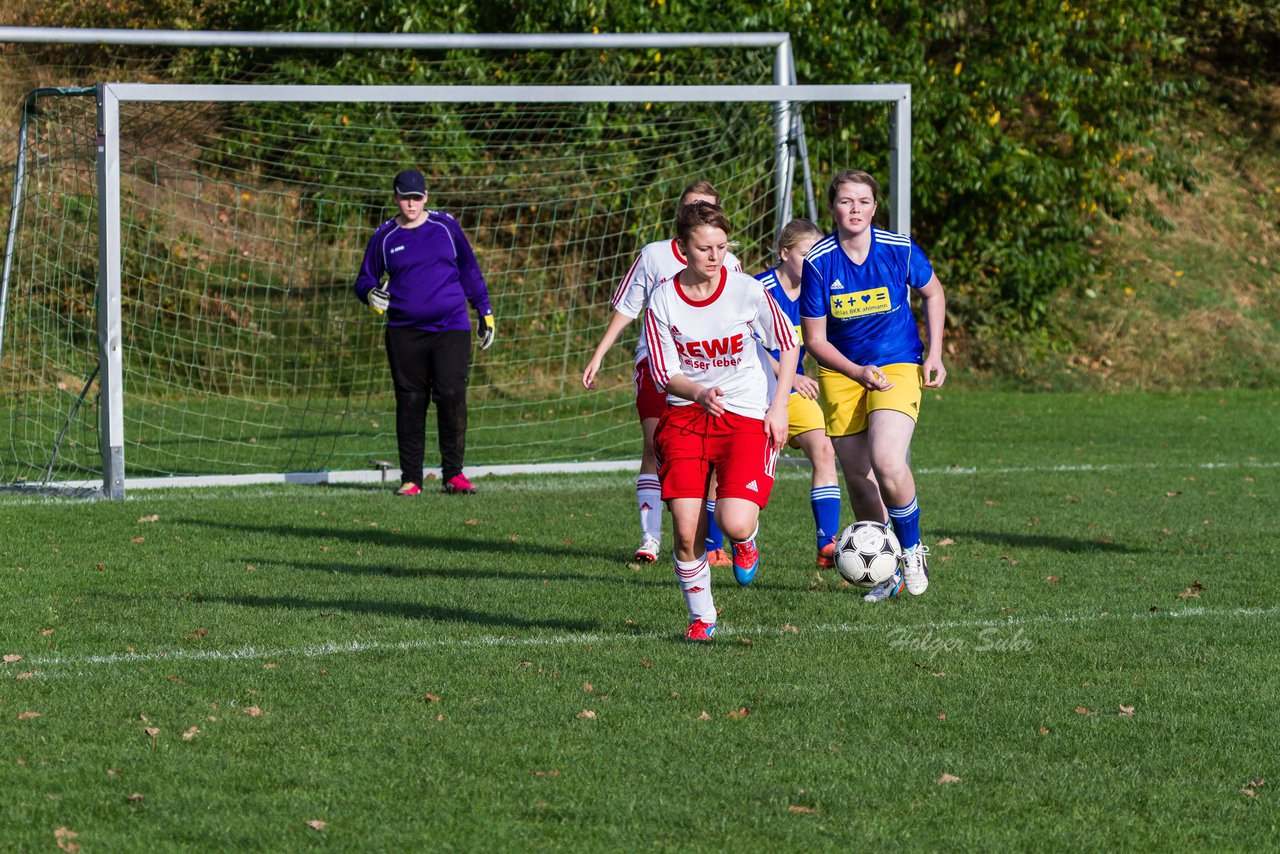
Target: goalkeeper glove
(484,331)
(379,299)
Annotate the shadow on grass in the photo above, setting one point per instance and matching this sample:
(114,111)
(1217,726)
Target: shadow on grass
(623,575)
(457,541)
(399,610)
(1049,542)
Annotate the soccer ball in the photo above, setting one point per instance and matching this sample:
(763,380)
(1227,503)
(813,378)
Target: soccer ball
(867,553)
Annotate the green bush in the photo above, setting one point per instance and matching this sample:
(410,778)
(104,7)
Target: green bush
(1032,122)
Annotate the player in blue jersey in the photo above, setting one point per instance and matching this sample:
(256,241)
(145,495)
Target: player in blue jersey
(431,276)
(806,427)
(856,315)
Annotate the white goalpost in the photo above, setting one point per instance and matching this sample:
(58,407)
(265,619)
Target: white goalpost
(212,232)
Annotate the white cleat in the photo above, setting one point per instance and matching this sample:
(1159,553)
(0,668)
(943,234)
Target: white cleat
(886,589)
(915,569)
(648,551)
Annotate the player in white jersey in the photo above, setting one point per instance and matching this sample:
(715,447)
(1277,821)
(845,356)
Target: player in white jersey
(657,262)
(724,415)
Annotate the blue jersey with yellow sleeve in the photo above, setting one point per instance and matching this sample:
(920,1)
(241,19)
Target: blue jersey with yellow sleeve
(790,307)
(867,305)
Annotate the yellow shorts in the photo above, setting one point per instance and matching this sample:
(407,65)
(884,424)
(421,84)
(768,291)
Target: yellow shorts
(845,403)
(803,414)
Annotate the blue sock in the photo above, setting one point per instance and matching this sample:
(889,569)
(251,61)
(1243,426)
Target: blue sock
(906,524)
(715,539)
(825,501)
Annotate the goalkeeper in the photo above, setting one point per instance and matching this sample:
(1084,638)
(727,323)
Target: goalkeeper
(431,276)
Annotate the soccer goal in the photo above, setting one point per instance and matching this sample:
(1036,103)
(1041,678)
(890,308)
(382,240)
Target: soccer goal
(177,288)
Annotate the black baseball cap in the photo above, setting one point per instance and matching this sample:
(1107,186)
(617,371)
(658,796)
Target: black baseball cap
(410,182)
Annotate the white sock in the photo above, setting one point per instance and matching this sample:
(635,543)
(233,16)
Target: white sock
(694,578)
(649,497)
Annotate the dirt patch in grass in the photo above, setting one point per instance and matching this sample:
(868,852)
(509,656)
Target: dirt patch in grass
(1195,303)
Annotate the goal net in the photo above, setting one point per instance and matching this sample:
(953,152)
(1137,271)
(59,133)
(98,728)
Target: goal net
(222,227)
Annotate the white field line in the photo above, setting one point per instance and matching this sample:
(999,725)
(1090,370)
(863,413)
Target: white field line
(790,468)
(41,665)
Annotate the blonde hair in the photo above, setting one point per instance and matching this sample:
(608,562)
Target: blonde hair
(794,232)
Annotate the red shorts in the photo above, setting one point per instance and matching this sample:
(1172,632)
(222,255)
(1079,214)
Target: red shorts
(651,401)
(690,443)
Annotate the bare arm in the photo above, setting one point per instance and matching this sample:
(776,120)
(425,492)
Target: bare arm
(617,323)
(935,319)
(826,355)
(776,422)
(708,398)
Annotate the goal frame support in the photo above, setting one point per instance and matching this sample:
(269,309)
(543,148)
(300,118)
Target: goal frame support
(111,95)
(791,154)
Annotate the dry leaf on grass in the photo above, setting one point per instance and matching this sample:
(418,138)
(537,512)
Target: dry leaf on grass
(1126,711)
(134,797)
(704,716)
(790,628)
(738,714)
(152,518)
(11,658)
(190,733)
(66,839)
(44,633)
(945,541)
(942,716)
(431,698)
(1044,730)
(1081,710)
(316,824)
(253,711)
(586,714)
(949,778)
(1252,789)
(26,674)
(26,716)
(550,772)
(802,810)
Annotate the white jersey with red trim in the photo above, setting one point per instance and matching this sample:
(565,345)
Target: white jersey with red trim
(715,342)
(657,262)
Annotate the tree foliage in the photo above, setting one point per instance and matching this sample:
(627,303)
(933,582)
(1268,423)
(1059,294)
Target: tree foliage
(1032,122)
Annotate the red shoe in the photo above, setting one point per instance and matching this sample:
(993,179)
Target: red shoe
(827,556)
(458,485)
(408,488)
(700,632)
(746,560)
(718,557)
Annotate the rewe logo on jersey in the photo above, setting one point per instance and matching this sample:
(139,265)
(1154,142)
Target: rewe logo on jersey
(712,353)
(710,349)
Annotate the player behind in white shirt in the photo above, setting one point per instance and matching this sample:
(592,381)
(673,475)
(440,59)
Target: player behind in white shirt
(657,262)
(724,416)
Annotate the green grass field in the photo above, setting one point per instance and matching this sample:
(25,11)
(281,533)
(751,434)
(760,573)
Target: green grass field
(1095,666)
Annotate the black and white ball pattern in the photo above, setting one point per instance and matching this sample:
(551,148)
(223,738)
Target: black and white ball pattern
(867,553)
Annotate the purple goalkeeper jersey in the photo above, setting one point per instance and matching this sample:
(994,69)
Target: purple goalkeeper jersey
(431,273)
